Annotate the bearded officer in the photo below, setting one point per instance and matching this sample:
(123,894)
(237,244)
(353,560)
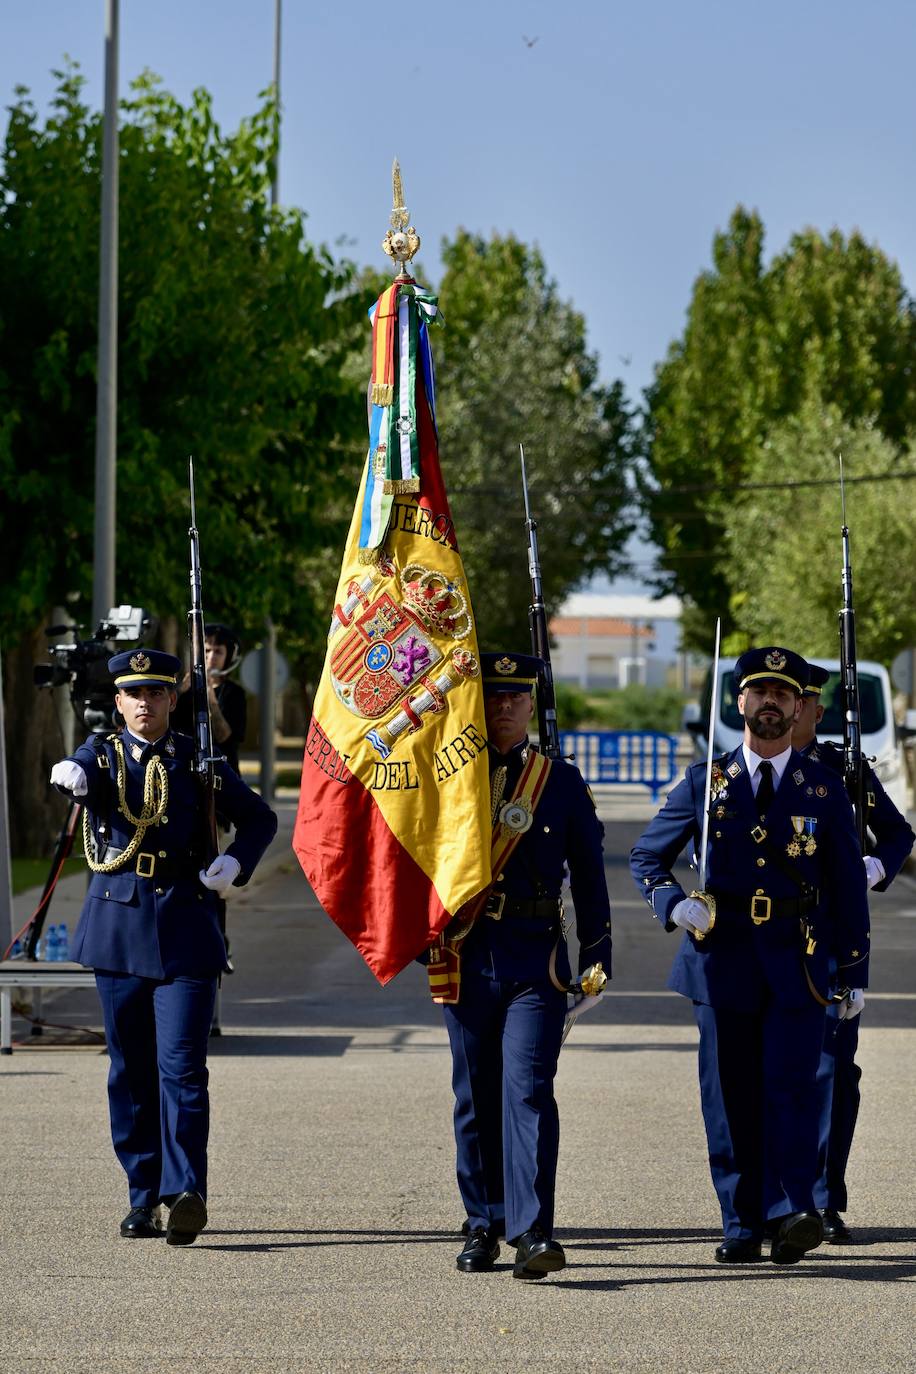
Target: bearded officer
(838,1074)
(784,918)
(149,929)
(506,1027)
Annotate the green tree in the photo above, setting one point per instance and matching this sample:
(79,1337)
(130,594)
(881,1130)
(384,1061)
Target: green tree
(828,323)
(783,541)
(513,366)
(234,340)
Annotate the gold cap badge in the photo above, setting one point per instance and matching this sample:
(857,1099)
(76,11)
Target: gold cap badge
(140,663)
(775,660)
(505,666)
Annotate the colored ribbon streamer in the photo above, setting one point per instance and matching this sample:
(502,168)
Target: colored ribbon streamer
(401,364)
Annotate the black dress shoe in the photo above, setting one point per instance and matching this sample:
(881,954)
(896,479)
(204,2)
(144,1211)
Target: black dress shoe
(738,1251)
(480,1251)
(187,1219)
(142,1223)
(798,1233)
(537,1255)
(836,1232)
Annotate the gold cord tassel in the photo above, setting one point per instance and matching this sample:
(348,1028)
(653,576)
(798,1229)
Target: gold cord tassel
(155,801)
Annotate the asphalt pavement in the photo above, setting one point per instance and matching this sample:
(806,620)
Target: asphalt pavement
(334,1213)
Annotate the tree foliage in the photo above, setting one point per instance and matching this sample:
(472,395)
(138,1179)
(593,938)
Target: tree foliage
(233,335)
(784,548)
(827,324)
(513,366)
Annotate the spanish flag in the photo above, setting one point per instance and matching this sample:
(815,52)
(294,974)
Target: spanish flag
(393,828)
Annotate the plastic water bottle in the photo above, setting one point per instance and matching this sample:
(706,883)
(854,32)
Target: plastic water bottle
(63,942)
(51,945)
(16,951)
(39,948)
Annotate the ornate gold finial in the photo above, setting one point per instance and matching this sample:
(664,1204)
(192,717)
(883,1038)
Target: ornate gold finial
(402,241)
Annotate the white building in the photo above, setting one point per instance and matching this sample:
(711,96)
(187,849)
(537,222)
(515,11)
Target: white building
(606,640)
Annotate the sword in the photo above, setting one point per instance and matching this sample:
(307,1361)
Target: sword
(586,990)
(702,894)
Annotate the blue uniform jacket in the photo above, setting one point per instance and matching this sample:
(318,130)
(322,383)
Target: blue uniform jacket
(787,958)
(892,831)
(165,926)
(565,835)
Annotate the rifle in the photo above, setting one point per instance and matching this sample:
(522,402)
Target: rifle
(853,758)
(204,758)
(548,732)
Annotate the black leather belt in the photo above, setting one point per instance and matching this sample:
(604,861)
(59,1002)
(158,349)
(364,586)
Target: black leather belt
(761,908)
(146,864)
(542,908)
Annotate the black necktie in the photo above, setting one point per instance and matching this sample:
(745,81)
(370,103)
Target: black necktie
(765,789)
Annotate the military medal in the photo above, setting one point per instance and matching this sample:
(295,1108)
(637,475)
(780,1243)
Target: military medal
(793,848)
(515,817)
(734,769)
(810,841)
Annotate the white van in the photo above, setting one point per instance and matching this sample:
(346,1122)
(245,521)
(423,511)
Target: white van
(880,741)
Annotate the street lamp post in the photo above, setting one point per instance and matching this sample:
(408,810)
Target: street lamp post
(103,593)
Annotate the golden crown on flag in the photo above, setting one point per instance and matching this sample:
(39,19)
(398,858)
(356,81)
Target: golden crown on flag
(435,601)
(402,242)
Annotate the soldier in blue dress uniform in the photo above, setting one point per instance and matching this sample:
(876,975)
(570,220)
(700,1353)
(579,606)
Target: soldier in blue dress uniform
(838,1074)
(782,924)
(149,929)
(506,1029)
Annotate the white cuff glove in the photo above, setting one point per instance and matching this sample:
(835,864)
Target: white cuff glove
(691,915)
(70,775)
(221,874)
(874,870)
(852,1005)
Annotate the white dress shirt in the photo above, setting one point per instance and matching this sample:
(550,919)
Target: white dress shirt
(753,761)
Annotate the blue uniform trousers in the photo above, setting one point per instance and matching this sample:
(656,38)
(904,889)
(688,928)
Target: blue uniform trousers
(157,1085)
(838,1101)
(505,1040)
(757,1075)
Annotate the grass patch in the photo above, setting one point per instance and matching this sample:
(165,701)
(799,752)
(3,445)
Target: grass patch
(33,872)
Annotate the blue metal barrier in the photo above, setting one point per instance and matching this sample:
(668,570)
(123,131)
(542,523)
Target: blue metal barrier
(640,758)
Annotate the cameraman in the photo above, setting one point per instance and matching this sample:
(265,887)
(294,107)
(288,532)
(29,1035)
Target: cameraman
(228,705)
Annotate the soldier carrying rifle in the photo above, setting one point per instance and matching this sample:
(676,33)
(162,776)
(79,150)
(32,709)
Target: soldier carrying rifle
(149,926)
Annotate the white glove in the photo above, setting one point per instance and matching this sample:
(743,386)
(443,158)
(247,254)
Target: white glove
(579,1007)
(221,874)
(874,870)
(692,915)
(70,775)
(852,1005)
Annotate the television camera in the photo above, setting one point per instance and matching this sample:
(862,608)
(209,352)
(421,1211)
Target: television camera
(83,665)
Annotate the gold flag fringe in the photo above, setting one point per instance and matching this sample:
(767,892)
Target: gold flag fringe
(401,486)
(382,394)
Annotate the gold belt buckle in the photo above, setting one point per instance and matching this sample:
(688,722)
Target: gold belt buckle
(146,864)
(767,904)
(501,902)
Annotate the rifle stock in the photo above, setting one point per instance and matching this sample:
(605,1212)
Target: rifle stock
(548,730)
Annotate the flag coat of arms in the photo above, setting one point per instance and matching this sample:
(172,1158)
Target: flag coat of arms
(393,827)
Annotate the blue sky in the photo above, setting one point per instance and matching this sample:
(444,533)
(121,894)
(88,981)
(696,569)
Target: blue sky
(619,140)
